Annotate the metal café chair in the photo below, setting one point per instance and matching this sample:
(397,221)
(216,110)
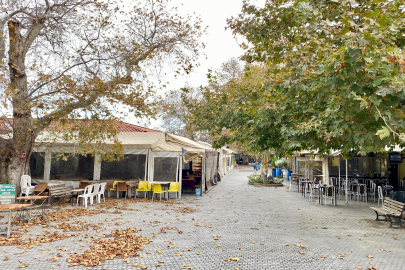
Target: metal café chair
(329,193)
(361,191)
(312,192)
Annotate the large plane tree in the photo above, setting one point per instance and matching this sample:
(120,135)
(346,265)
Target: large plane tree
(60,58)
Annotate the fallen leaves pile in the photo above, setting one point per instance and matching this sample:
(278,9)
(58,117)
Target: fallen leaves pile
(18,240)
(66,227)
(63,215)
(125,204)
(123,244)
(185,210)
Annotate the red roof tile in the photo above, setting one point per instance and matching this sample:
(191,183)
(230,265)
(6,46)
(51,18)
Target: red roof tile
(5,126)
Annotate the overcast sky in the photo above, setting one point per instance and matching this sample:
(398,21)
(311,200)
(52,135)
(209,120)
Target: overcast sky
(220,44)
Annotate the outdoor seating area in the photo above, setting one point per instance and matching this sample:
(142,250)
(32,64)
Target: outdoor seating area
(36,200)
(356,190)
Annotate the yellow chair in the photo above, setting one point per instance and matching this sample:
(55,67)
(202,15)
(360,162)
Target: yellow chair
(174,187)
(157,189)
(142,186)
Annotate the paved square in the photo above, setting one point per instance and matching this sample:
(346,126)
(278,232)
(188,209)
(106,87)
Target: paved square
(234,226)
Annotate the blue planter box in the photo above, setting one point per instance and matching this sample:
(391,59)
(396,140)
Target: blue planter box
(273,172)
(278,172)
(289,175)
(197,192)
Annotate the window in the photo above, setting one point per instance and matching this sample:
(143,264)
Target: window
(75,167)
(127,168)
(165,169)
(37,162)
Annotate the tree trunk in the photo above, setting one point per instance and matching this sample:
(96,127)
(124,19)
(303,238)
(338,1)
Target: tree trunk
(245,159)
(265,162)
(23,136)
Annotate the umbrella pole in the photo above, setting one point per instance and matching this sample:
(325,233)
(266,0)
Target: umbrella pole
(347,200)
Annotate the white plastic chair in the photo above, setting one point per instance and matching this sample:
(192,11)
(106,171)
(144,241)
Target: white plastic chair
(26,187)
(380,195)
(94,192)
(86,194)
(373,190)
(101,192)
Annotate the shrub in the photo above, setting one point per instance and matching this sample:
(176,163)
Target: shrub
(281,163)
(255,178)
(278,180)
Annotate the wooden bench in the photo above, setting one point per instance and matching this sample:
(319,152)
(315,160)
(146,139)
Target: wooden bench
(59,192)
(391,209)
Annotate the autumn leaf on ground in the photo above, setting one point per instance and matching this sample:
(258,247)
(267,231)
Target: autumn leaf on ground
(232,259)
(369,256)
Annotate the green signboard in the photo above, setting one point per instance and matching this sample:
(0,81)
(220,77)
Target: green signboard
(7,193)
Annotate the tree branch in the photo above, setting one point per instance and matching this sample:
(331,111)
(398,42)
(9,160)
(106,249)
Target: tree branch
(46,120)
(63,72)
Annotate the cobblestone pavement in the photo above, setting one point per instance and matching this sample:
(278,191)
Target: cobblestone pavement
(266,228)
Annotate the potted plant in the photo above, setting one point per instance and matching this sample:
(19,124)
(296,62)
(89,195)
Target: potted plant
(280,164)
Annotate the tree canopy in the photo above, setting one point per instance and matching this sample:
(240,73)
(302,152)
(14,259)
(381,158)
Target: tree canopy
(323,75)
(64,57)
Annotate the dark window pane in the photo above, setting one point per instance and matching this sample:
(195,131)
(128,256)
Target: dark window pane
(75,167)
(37,163)
(165,169)
(128,167)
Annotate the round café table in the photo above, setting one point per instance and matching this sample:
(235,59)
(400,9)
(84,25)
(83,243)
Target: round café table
(10,207)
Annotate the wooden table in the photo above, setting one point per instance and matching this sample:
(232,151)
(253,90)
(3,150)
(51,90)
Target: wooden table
(130,185)
(32,198)
(10,207)
(187,183)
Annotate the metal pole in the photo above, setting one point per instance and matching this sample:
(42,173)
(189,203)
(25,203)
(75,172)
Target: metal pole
(347,199)
(340,191)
